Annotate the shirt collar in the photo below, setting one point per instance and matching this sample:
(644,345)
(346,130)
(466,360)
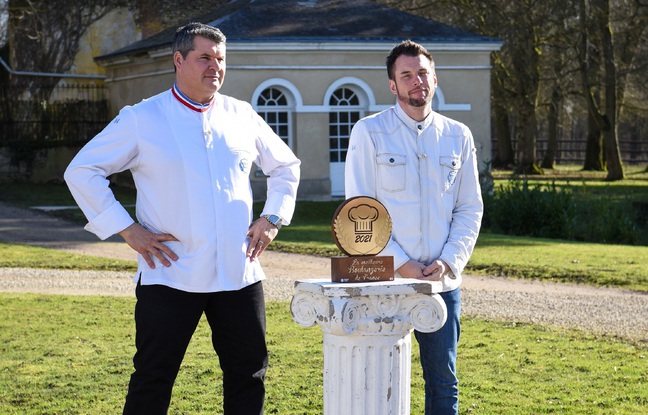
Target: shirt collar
(189,103)
(411,123)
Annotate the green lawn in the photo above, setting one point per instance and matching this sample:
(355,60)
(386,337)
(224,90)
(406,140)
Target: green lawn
(517,257)
(622,266)
(72,354)
(67,355)
(619,266)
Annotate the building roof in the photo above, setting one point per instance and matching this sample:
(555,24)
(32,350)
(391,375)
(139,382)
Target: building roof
(314,21)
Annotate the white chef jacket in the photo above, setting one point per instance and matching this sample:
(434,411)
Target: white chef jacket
(191,170)
(425,173)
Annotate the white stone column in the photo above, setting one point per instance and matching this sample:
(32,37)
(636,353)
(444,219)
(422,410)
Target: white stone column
(367,339)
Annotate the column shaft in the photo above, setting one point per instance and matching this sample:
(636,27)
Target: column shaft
(367,375)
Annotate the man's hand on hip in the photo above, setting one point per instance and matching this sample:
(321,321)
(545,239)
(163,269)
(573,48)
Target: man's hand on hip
(149,244)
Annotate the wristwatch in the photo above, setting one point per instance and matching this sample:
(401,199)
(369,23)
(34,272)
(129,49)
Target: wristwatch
(274,220)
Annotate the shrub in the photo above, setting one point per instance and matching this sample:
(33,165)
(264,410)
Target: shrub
(546,210)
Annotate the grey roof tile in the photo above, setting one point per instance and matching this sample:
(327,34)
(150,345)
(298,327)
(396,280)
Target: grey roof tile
(314,21)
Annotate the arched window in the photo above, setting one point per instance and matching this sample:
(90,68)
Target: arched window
(276,108)
(345,111)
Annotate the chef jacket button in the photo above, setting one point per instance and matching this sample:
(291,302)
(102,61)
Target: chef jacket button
(420,127)
(391,160)
(454,163)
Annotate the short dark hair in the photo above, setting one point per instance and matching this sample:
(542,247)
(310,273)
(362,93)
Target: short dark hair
(183,41)
(407,48)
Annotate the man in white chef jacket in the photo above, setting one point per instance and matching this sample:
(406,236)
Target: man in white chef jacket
(422,166)
(190,151)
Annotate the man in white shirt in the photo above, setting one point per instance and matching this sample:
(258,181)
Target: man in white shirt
(190,151)
(422,166)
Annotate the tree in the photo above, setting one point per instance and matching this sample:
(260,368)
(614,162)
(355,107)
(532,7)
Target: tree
(553,117)
(501,112)
(613,86)
(534,68)
(44,36)
(590,67)
(517,68)
(617,32)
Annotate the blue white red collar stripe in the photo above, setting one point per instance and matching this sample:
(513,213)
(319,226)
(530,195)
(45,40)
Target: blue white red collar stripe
(187,102)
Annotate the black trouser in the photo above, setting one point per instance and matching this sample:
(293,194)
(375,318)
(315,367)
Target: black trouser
(165,320)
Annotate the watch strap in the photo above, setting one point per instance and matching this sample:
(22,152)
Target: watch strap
(274,220)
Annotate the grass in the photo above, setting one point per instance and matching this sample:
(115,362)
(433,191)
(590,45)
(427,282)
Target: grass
(621,266)
(25,256)
(573,172)
(633,189)
(72,355)
(508,256)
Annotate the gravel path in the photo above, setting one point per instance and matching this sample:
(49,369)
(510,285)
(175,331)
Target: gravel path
(596,310)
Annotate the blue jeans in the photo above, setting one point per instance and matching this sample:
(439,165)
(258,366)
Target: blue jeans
(439,360)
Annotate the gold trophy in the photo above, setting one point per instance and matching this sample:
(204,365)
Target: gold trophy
(361,229)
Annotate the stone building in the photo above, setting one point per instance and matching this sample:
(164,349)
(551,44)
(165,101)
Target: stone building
(312,68)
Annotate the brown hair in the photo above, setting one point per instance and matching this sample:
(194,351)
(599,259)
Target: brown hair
(407,48)
(183,40)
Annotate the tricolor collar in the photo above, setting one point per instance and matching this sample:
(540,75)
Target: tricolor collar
(189,103)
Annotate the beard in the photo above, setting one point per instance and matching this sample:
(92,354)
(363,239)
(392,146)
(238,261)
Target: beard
(414,102)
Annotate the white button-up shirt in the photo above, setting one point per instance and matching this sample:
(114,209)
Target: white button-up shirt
(191,170)
(425,173)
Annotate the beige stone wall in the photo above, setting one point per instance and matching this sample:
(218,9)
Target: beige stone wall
(463,77)
(134,78)
(114,31)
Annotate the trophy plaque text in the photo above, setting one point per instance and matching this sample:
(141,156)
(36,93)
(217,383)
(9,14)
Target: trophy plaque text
(361,229)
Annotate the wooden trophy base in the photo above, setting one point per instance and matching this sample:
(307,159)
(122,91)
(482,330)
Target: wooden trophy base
(362,268)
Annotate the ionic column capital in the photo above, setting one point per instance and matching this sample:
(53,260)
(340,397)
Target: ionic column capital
(384,308)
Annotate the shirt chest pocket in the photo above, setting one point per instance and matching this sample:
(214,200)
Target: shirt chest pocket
(391,171)
(450,166)
(242,160)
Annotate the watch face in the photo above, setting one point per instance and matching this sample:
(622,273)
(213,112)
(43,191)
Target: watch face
(275,220)
(361,226)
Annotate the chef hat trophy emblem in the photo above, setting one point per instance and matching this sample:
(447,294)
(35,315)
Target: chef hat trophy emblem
(363,216)
(361,229)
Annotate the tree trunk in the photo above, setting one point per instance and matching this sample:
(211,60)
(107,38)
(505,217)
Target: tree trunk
(610,136)
(549,160)
(590,68)
(613,155)
(504,159)
(501,124)
(526,139)
(594,146)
